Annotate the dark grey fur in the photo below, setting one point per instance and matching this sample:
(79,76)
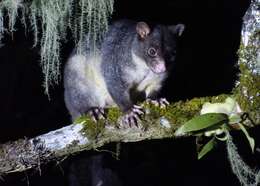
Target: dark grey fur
(123,80)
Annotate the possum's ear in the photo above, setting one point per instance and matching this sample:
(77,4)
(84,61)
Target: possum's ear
(177,29)
(142,29)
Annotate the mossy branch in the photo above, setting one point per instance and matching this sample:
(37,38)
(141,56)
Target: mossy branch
(158,123)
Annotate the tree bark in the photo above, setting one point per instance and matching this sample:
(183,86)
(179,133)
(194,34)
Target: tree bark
(24,154)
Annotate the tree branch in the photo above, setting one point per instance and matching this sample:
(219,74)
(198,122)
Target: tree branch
(24,154)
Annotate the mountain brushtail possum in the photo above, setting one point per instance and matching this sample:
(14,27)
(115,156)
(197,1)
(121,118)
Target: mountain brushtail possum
(129,65)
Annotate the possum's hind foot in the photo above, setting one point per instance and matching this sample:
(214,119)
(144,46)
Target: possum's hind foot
(97,113)
(133,117)
(161,102)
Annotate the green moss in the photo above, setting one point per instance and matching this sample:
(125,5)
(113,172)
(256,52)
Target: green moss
(247,91)
(180,112)
(248,54)
(113,114)
(91,128)
(176,113)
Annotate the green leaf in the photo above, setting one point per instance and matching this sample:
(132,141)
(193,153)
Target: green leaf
(250,139)
(207,148)
(234,119)
(202,123)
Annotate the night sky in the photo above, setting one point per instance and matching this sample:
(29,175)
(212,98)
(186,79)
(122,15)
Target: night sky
(205,67)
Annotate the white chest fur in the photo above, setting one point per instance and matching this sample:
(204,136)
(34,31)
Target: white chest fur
(145,79)
(152,82)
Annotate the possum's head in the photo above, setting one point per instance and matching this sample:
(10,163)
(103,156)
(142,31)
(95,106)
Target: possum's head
(157,46)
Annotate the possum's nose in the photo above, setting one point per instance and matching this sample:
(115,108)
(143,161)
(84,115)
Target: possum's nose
(159,67)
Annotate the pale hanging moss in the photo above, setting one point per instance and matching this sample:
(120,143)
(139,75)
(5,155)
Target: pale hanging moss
(11,8)
(53,15)
(246,175)
(90,16)
(50,22)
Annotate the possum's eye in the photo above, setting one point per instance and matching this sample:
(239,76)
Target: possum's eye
(152,52)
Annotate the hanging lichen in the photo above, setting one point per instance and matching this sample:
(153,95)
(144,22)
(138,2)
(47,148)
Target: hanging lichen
(11,8)
(92,20)
(53,16)
(246,175)
(50,22)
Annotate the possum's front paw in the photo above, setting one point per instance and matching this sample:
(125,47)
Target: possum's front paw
(97,113)
(161,102)
(133,117)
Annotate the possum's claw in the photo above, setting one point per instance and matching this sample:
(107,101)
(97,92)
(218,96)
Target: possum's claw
(97,114)
(133,117)
(139,110)
(161,102)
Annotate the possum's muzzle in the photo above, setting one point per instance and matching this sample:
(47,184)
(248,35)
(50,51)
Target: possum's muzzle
(158,66)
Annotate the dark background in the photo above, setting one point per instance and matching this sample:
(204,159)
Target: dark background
(205,67)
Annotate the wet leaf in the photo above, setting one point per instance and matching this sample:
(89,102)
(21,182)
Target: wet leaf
(250,139)
(202,123)
(207,148)
(230,106)
(234,119)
